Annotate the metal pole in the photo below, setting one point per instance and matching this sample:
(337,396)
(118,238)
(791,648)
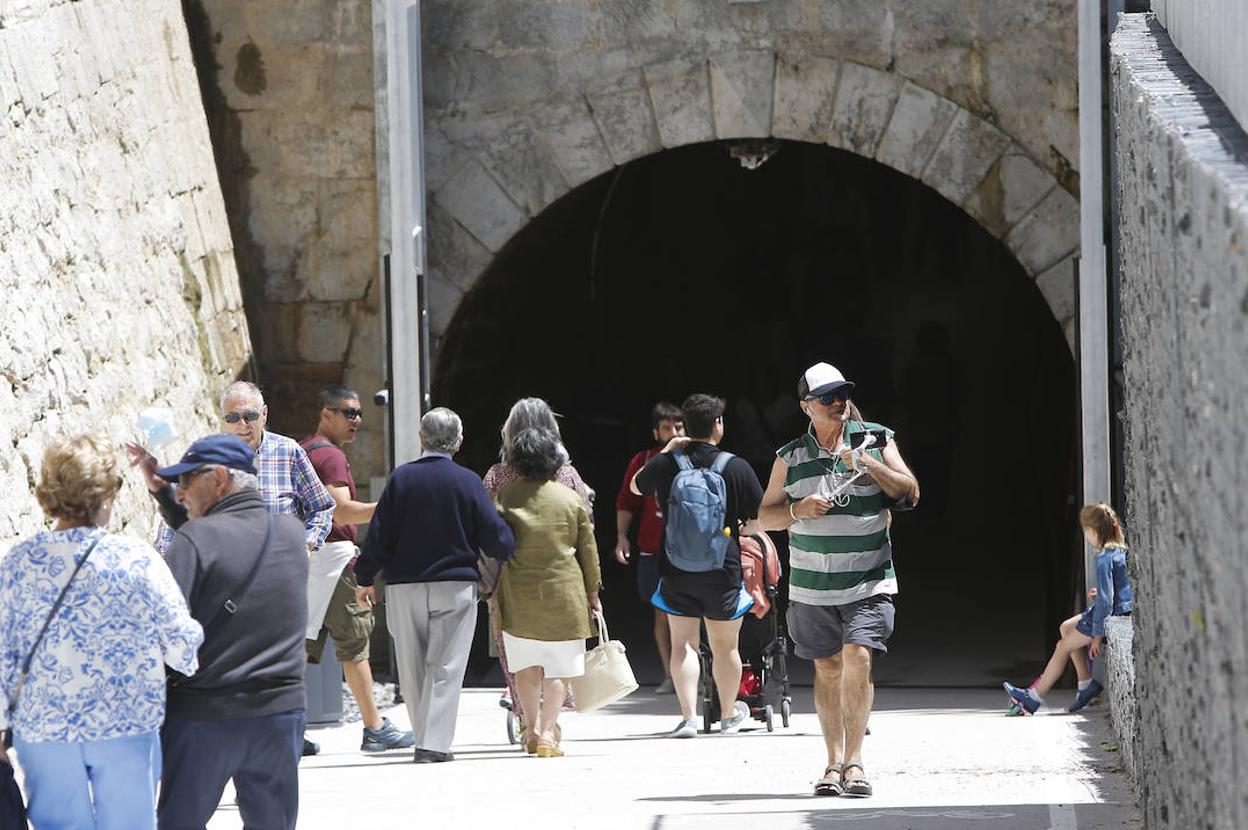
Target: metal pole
(407,222)
(1093,307)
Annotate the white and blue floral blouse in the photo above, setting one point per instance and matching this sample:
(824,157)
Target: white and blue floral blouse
(100,671)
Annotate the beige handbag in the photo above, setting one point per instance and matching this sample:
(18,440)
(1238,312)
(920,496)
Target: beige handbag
(608,676)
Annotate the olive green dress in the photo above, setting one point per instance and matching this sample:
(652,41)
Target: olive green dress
(542,591)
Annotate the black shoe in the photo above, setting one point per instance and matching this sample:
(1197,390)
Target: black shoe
(310,747)
(429,756)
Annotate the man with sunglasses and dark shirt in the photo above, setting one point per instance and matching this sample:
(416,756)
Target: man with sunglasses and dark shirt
(841,578)
(332,609)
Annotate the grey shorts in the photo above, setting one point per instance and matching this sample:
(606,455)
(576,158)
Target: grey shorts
(821,631)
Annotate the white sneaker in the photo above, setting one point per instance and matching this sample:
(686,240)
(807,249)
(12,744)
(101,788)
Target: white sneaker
(685,729)
(665,688)
(732,725)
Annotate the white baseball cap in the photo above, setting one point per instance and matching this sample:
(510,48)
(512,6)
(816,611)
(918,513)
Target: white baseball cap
(821,378)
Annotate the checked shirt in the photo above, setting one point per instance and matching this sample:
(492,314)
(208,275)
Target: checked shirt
(288,485)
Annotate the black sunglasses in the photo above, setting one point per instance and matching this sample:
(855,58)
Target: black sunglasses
(826,398)
(349,414)
(248,416)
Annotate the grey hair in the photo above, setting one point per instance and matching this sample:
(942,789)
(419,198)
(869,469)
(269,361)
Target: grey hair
(244,480)
(529,413)
(441,430)
(242,389)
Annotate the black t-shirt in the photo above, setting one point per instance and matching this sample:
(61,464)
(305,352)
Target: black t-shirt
(744,496)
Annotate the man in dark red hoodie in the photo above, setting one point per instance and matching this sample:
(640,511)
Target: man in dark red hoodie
(666,423)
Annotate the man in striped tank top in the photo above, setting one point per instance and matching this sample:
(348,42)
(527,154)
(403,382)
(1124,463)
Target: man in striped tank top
(841,578)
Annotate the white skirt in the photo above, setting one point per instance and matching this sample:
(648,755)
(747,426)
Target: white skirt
(558,658)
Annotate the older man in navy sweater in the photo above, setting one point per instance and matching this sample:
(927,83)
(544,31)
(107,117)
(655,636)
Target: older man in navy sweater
(431,520)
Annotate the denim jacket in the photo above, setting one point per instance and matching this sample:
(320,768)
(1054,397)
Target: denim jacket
(1113,589)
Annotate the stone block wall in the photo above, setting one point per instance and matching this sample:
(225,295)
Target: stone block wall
(116,267)
(1183,163)
(288,88)
(1120,687)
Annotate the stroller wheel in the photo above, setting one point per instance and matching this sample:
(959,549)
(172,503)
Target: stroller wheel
(786,709)
(768,712)
(511,727)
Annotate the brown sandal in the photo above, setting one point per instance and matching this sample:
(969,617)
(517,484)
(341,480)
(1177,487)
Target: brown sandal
(830,786)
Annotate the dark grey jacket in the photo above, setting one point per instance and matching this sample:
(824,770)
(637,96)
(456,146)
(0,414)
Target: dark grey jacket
(252,661)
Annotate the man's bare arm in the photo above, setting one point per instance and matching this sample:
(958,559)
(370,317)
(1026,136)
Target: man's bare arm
(348,511)
(776,512)
(892,474)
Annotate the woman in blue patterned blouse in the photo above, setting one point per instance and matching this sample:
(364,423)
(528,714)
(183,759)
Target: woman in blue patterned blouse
(87,718)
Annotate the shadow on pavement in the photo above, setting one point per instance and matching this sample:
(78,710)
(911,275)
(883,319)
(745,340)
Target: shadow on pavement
(838,813)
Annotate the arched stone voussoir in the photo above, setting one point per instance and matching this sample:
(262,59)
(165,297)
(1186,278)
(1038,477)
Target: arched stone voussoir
(742,92)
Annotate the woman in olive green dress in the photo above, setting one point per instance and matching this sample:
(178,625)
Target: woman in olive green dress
(546,591)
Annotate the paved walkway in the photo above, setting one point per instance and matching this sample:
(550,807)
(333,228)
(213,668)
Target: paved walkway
(939,760)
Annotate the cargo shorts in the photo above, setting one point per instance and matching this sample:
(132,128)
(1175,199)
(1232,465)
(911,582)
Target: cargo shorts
(348,622)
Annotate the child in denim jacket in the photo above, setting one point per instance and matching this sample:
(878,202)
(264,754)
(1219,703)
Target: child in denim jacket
(1084,634)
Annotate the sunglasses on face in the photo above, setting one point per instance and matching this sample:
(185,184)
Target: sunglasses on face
(827,398)
(349,414)
(248,416)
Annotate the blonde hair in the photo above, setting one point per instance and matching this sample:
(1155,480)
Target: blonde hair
(77,476)
(1101,519)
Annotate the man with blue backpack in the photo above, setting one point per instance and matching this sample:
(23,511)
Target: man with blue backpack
(706,494)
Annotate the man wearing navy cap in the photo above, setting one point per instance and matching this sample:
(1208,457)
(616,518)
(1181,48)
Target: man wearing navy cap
(841,577)
(241,716)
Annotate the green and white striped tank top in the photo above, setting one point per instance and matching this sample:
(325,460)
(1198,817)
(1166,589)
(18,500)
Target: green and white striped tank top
(844,555)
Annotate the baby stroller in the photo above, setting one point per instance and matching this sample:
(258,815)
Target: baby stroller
(764,687)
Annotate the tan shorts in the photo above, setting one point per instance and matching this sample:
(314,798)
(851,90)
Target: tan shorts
(348,622)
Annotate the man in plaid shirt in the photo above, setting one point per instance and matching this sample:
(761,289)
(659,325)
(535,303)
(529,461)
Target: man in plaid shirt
(288,483)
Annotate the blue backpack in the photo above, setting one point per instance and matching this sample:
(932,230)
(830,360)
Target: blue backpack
(695,539)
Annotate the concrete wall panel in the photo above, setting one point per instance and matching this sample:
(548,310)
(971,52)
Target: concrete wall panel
(1211,35)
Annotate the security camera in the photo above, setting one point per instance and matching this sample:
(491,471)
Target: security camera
(381,397)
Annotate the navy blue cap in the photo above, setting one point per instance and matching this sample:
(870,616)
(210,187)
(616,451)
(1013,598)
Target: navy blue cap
(227,450)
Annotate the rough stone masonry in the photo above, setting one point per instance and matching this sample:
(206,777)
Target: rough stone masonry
(116,268)
(1183,164)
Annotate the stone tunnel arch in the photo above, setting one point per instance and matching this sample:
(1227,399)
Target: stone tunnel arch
(576,301)
(489,189)
(481,200)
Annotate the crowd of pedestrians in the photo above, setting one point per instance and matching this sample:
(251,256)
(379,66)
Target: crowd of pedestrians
(139,679)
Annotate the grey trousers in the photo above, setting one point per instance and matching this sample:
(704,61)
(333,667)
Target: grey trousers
(432,624)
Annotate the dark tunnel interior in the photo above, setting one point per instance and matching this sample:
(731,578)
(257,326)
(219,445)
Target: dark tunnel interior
(684,272)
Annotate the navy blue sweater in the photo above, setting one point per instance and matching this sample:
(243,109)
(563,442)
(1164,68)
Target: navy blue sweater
(430,521)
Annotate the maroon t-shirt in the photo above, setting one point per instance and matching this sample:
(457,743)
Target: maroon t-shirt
(333,469)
